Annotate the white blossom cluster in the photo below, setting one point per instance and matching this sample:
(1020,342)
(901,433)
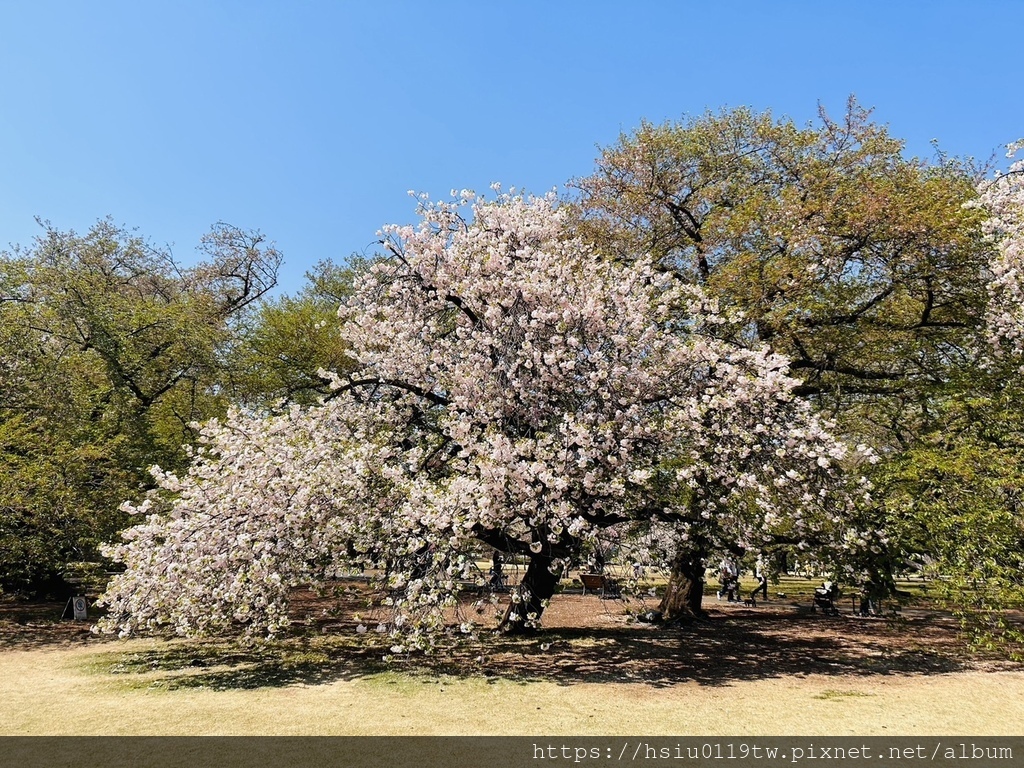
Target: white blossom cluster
(1003,199)
(514,384)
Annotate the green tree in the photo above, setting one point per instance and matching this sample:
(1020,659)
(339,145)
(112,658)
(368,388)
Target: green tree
(864,268)
(112,350)
(955,503)
(282,346)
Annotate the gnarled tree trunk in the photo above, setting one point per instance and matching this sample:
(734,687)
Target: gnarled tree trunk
(536,588)
(685,590)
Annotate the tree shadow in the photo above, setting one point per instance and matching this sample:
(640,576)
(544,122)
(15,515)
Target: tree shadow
(731,645)
(725,649)
(222,665)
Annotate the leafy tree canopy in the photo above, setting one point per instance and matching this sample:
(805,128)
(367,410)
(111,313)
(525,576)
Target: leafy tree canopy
(863,268)
(111,350)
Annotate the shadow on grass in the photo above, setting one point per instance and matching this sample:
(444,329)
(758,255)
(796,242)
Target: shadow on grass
(728,649)
(224,665)
(722,650)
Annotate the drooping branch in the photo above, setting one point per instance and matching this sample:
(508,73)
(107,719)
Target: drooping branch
(353,384)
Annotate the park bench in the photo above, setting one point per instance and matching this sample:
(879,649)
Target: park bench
(601,584)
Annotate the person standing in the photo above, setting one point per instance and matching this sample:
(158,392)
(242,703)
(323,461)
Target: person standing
(497,577)
(762,580)
(729,578)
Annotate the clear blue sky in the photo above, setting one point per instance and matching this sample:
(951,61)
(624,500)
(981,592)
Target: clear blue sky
(311,120)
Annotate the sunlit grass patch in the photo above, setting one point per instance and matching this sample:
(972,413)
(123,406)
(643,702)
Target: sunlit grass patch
(227,665)
(833,694)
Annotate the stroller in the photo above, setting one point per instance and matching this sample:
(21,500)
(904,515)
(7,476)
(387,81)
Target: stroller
(825,598)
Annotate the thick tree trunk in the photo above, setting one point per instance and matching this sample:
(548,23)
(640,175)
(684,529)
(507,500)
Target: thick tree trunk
(685,590)
(536,588)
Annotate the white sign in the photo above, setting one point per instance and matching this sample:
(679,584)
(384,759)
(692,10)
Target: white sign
(81,609)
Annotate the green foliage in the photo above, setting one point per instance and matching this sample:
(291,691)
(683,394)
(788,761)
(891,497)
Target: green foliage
(278,352)
(955,502)
(59,498)
(868,271)
(111,351)
(862,267)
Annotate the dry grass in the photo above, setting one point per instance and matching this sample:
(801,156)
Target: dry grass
(773,670)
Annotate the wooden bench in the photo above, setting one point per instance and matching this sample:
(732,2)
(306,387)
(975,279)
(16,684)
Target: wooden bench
(601,584)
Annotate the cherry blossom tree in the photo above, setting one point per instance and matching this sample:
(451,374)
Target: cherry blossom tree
(515,387)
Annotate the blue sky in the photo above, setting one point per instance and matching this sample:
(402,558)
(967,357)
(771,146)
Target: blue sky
(311,120)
